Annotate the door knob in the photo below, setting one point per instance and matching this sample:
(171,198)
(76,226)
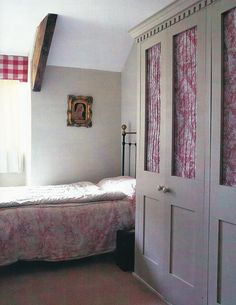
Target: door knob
(160,187)
(165,189)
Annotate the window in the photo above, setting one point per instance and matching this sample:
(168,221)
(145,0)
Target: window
(14,97)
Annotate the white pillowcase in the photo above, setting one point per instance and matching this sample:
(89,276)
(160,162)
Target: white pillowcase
(122,184)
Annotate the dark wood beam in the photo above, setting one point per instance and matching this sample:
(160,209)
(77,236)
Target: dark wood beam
(41,49)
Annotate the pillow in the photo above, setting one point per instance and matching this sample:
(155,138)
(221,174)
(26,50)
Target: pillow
(122,184)
(82,183)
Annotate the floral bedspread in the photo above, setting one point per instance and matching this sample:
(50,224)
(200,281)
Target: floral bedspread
(62,231)
(54,223)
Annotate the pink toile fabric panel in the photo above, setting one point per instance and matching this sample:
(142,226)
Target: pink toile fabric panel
(62,231)
(184,78)
(229,100)
(153,106)
(14,67)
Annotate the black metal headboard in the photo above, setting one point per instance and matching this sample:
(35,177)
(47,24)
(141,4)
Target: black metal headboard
(131,150)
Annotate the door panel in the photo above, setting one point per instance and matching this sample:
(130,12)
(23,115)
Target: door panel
(222,266)
(184,103)
(153,108)
(226,293)
(182,240)
(152,228)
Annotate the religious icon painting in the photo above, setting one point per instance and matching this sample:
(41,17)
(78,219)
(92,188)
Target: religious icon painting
(79,111)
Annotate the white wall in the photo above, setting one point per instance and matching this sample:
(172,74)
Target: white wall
(129,99)
(62,154)
(129,90)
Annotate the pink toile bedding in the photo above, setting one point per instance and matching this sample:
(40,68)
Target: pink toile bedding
(65,230)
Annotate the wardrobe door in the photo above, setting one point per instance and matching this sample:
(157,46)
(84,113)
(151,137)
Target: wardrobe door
(170,176)
(185,152)
(222,257)
(151,212)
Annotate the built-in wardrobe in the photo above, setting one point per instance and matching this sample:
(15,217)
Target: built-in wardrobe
(186,168)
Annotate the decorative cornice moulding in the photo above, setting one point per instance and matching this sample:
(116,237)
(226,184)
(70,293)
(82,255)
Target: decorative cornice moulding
(167,17)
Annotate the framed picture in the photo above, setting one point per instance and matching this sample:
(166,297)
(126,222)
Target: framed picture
(79,111)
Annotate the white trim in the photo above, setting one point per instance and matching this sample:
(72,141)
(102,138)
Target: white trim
(167,17)
(150,288)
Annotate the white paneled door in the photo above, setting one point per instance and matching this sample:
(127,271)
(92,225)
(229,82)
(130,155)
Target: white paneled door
(222,256)
(170,173)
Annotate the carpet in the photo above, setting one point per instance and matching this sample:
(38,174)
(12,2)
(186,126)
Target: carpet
(90,281)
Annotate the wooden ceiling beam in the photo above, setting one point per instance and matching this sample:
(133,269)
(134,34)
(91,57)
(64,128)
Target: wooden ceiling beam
(42,45)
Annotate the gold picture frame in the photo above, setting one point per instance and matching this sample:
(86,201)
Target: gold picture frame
(79,111)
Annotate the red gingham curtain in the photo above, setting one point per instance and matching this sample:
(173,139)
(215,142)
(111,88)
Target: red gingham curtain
(14,67)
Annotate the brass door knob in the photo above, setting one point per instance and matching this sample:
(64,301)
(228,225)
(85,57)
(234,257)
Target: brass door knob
(165,189)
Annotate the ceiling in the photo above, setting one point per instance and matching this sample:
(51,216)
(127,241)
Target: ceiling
(91,34)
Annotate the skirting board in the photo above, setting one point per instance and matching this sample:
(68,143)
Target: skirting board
(150,288)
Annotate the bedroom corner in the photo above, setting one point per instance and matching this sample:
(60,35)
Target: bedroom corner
(62,153)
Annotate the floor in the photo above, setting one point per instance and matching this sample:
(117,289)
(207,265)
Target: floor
(90,281)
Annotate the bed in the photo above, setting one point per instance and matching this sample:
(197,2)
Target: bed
(64,222)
